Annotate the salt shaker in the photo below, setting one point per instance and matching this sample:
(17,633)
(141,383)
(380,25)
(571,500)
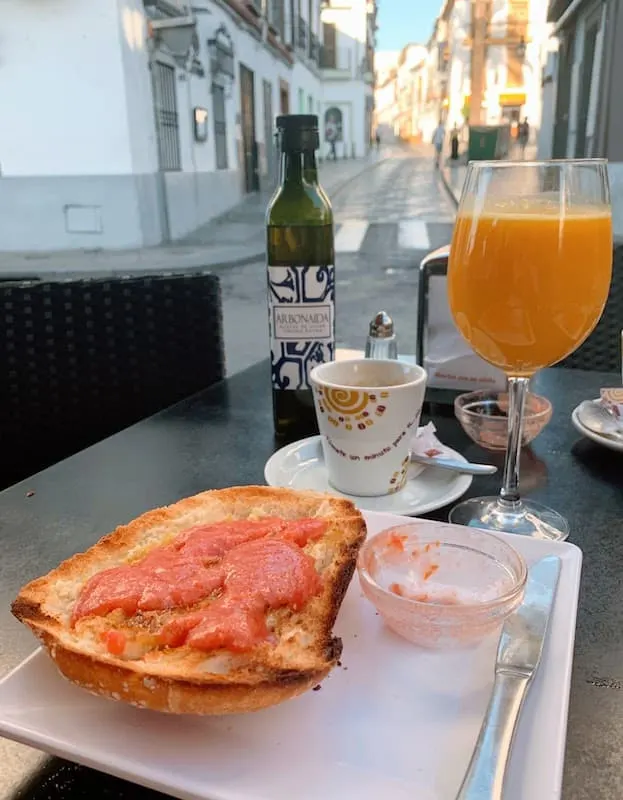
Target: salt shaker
(381,341)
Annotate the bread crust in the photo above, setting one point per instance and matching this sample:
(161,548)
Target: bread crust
(184,681)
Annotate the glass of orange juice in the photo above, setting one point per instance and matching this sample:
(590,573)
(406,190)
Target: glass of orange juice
(528,278)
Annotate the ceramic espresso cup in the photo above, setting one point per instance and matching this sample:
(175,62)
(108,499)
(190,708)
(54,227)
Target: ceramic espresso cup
(367,411)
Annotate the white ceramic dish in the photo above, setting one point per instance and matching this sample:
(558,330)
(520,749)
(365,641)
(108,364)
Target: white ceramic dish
(300,465)
(393,722)
(611,444)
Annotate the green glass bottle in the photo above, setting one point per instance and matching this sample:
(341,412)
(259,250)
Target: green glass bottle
(301,277)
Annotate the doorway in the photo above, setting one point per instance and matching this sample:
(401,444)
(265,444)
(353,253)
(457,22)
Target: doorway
(586,76)
(284,97)
(269,132)
(249,142)
(164,95)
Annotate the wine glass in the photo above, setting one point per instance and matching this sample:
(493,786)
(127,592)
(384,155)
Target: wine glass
(528,278)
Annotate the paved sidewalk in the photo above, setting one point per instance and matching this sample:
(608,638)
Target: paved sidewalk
(234,239)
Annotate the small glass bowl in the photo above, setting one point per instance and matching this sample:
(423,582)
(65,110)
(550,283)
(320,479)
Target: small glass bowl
(484,417)
(441,586)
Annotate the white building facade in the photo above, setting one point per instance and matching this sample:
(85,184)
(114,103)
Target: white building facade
(408,89)
(347,66)
(401,94)
(385,94)
(515,36)
(133,122)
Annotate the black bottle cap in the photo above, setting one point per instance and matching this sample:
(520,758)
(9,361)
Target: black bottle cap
(298,132)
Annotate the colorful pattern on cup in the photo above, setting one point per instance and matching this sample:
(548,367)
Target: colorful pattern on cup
(365,410)
(350,408)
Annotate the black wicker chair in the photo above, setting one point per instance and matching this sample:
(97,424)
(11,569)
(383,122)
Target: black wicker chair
(83,359)
(602,350)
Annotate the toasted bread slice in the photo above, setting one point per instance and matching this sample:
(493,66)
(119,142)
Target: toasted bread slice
(184,680)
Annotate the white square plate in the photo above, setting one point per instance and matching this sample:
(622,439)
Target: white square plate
(392,722)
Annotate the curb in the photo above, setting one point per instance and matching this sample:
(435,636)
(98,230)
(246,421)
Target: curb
(27,265)
(447,187)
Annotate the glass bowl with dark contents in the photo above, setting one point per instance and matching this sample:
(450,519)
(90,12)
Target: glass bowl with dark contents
(484,417)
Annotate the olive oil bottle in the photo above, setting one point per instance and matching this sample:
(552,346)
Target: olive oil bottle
(301,277)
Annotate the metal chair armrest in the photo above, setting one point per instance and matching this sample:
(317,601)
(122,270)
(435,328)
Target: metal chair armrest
(435,263)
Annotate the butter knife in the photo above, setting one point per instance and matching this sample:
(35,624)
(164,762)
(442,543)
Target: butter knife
(518,657)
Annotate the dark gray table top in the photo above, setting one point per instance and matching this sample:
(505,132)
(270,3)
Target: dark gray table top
(222,438)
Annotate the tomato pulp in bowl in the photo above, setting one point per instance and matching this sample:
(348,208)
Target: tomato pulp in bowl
(441,586)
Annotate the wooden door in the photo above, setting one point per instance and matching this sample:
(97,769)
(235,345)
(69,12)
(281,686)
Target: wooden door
(269,132)
(247,121)
(284,97)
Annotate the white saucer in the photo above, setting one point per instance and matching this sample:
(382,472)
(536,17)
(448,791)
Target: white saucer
(611,444)
(300,465)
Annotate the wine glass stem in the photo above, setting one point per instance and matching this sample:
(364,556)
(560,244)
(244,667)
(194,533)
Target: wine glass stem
(517,390)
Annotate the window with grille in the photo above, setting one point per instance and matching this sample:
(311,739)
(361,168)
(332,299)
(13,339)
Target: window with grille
(165,109)
(278,16)
(293,20)
(220,126)
(302,37)
(310,24)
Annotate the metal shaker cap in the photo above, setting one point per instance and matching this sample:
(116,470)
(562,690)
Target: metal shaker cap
(382,326)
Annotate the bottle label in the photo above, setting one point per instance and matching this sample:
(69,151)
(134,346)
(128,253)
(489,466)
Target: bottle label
(301,310)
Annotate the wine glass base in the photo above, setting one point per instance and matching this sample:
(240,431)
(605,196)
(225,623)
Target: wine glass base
(524,518)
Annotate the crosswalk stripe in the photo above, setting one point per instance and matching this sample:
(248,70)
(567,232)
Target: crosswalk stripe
(413,235)
(350,236)
(408,235)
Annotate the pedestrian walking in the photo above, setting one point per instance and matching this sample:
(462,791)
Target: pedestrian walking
(438,140)
(331,134)
(378,140)
(454,143)
(524,136)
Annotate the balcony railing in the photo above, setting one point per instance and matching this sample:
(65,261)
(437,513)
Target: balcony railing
(367,63)
(443,56)
(366,69)
(277,16)
(301,40)
(338,58)
(314,47)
